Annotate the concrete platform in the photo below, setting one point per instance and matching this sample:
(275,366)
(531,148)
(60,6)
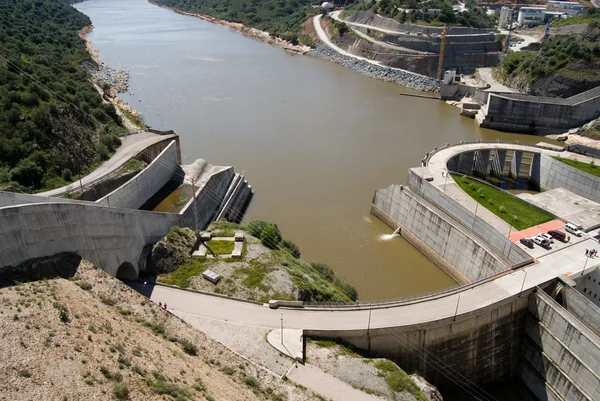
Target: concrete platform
(291,345)
(237,250)
(568,206)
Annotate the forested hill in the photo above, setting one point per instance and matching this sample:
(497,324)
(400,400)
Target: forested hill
(281,18)
(51,117)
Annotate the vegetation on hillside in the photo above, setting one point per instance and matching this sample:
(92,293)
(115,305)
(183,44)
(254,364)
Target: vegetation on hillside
(564,66)
(281,18)
(270,268)
(475,17)
(590,15)
(53,123)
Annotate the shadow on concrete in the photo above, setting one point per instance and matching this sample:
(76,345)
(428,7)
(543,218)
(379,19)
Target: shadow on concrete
(144,285)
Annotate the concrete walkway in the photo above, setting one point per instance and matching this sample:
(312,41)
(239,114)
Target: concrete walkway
(486,76)
(326,385)
(131,145)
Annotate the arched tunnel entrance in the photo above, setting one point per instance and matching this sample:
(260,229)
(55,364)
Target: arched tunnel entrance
(127,272)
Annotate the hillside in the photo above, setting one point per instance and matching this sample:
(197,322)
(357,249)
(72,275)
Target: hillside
(412,12)
(94,338)
(564,66)
(281,18)
(53,123)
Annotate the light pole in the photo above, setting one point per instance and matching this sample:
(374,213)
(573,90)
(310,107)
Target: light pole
(585,264)
(369,324)
(456,311)
(281,328)
(445,174)
(161,122)
(523,285)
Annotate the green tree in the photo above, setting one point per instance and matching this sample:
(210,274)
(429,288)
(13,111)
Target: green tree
(270,236)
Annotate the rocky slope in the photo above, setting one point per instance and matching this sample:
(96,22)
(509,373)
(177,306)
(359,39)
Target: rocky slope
(94,338)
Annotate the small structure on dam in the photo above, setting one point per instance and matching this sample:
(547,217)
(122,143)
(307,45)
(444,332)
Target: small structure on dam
(112,231)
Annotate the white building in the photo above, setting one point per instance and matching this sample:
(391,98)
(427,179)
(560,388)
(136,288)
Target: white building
(327,6)
(504,19)
(566,7)
(531,16)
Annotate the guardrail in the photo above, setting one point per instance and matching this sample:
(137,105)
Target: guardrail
(435,150)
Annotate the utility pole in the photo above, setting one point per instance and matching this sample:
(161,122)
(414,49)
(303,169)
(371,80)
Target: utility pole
(369,324)
(441,60)
(456,311)
(281,328)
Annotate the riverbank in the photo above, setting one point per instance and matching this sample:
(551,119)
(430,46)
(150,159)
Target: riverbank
(252,33)
(397,76)
(110,82)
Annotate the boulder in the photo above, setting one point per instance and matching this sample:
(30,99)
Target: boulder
(174,250)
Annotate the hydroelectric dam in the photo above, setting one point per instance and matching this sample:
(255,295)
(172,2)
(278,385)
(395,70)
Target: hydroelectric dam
(515,314)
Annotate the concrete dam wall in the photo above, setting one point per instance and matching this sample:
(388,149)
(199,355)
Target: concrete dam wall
(107,237)
(484,346)
(556,174)
(540,115)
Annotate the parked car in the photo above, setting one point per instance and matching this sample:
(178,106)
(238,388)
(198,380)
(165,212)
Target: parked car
(572,229)
(541,241)
(527,242)
(559,235)
(547,236)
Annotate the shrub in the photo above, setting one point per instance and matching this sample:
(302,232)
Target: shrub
(120,391)
(67,175)
(256,227)
(227,370)
(63,312)
(291,248)
(270,236)
(103,152)
(188,347)
(350,291)
(251,381)
(24,373)
(197,386)
(324,270)
(85,286)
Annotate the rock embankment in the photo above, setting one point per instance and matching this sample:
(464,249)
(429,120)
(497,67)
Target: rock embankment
(405,78)
(117,80)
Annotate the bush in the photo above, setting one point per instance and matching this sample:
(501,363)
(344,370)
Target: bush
(27,173)
(188,347)
(67,175)
(251,381)
(103,152)
(291,247)
(324,270)
(349,290)
(120,391)
(256,227)
(270,236)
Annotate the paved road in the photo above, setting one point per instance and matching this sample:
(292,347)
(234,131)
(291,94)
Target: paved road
(130,146)
(568,260)
(486,75)
(323,37)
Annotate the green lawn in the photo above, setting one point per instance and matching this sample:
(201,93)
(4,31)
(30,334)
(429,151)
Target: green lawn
(503,205)
(587,167)
(220,247)
(181,276)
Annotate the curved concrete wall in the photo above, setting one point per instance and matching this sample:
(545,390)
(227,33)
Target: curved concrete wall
(144,185)
(462,255)
(107,237)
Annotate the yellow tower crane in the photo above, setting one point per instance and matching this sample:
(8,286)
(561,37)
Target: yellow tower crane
(441,60)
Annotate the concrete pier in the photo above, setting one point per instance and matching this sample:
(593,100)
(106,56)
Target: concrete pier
(465,163)
(498,159)
(515,164)
(482,161)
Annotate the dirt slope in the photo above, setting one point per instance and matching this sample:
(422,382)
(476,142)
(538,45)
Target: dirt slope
(94,338)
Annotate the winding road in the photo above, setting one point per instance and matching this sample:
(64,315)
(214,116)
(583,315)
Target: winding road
(131,145)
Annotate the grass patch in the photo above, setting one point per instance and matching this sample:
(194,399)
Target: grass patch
(385,365)
(221,247)
(120,391)
(514,211)
(131,165)
(590,168)
(181,277)
(255,275)
(399,381)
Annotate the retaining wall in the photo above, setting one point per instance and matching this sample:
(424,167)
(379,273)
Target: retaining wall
(107,237)
(582,308)
(561,351)
(556,174)
(443,241)
(540,115)
(146,183)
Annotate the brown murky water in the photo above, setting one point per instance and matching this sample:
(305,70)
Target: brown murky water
(314,139)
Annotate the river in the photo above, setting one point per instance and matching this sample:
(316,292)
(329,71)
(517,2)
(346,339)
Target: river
(314,139)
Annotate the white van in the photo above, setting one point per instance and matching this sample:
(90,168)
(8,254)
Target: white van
(572,229)
(541,241)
